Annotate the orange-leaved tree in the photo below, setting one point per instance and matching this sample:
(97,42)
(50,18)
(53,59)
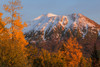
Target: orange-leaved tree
(71,52)
(13,51)
(14,22)
(3,30)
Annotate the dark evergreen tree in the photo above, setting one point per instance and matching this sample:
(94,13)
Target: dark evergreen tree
(95,57)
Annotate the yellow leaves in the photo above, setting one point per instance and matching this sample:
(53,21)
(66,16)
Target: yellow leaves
(7,20)
(25,25)
(1,15)
(1,29)
(14,20)
(14,15)
(72,52)
(18,25)
(45,55)
(19,17)
(6,8)
(13,6)
(2,24)
(12,39)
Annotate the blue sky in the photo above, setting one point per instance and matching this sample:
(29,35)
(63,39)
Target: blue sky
(34,8)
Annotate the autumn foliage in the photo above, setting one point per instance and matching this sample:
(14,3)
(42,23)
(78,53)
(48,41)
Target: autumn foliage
(15,51)
(12,40)
(71,52)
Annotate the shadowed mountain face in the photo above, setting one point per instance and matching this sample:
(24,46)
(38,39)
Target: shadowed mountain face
(55,28)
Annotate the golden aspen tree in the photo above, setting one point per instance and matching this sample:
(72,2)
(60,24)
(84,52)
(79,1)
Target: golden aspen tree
(1,25)
(14,20)
(12,51)
(3,30)
(71,52)
(4,36)
(48,59)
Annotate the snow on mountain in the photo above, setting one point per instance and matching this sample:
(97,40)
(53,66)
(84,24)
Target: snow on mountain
(51,21)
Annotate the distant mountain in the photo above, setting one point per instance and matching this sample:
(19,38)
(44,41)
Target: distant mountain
(49,22)
(49,31)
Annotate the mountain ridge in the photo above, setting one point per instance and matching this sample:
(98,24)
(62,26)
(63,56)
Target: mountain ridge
(48,22)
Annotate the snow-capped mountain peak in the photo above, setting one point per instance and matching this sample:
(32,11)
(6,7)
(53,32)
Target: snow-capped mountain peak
(45,15)
(38,17)
(48,22)
(50,15)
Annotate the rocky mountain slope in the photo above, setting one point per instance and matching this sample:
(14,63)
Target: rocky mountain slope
(49,31)
(48,22)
